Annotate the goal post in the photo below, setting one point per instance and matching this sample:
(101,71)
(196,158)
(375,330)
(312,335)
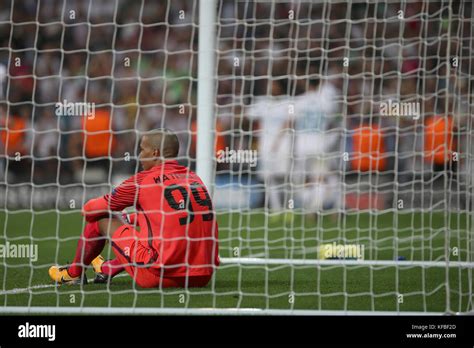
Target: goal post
(335,138)
(206,92)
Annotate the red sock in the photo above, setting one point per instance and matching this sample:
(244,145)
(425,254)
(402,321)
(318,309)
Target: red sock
(112,267)
(89,247)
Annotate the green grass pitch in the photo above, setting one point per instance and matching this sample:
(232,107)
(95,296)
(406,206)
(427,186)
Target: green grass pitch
(386,236)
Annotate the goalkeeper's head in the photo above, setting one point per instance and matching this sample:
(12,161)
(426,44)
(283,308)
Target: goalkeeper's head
(156,146)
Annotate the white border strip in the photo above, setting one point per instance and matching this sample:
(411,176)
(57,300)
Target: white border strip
(312,262)
(197,311)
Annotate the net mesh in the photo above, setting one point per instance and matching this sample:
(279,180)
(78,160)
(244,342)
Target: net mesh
(342,160)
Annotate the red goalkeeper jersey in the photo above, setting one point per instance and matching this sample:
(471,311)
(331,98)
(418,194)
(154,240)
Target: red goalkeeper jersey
(175,216)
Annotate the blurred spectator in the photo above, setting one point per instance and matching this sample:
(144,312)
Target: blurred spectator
(138,61)
(368,154)
(440,143)
(16,136)
(95,144)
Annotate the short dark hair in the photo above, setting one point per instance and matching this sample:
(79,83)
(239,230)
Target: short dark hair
(164,140)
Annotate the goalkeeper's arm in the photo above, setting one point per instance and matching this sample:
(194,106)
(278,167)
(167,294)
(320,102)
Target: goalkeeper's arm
(123,196)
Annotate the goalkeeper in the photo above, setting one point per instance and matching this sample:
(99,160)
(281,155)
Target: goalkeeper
(172,239)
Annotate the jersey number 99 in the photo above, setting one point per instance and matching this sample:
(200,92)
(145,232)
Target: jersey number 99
(200,196)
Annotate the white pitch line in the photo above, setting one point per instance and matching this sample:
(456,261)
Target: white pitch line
(202,311)
(21,290)
(42,286)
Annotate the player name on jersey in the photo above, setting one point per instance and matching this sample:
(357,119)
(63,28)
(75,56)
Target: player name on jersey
(165,177)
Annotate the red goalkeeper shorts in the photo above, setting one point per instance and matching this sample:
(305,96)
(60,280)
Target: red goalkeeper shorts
(135,257)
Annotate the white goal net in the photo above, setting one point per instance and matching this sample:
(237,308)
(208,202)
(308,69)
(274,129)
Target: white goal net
(334,136)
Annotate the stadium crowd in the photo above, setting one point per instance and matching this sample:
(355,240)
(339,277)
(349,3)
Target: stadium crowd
(333,62)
